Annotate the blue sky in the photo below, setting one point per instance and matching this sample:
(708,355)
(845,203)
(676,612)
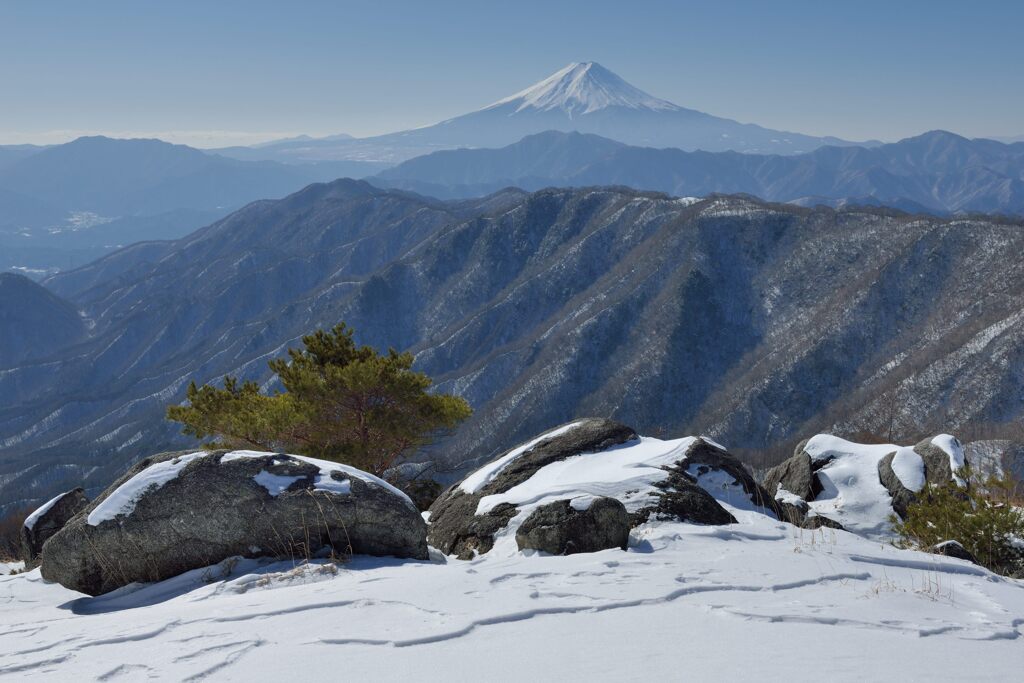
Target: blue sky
(212,73)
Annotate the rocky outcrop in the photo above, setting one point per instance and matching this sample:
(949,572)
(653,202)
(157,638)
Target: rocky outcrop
(47,520)
(180,511)
(455,526)
(705,457)
(936,466)
(562,528)
(857,486)
(551,479)
(793,484)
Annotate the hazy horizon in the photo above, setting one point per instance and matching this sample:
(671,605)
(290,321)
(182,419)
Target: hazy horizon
(244,73)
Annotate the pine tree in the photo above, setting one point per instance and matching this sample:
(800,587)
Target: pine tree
(983,516)
(341,402)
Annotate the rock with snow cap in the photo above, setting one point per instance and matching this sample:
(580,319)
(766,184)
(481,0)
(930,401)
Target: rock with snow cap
(902,497)
(179,511)
(458,527)
(47,520)
(565,527)
(794,475)
(682,480)
(953,549)
(943,457)
(858,487)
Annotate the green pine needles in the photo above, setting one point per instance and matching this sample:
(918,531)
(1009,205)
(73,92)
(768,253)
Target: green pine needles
(983,516)
(341,402)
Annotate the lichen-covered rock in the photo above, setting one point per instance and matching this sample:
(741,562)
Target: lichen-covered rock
(47,520)
(562,528)
(180,511)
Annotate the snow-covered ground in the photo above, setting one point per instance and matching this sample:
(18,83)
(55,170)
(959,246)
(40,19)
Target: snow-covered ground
(756,599)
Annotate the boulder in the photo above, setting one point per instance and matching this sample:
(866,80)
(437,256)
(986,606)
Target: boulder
(680,480)
(794,475)
(48,520)
(705,458)
(565,527)
(902,497)
(455,526)
(938,470)
(681,500)
(953,549)
(818,521)
(179,511)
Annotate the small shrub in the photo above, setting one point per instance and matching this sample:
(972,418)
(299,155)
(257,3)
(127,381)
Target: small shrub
(982,515)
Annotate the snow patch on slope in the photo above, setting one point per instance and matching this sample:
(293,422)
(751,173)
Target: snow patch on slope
(757,591)
(627,472)
(852,493)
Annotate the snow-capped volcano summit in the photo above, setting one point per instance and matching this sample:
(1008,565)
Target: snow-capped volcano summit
(583,88)
(584,97)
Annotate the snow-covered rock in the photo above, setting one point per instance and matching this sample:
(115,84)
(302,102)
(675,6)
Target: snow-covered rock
(48,519)
(860,486)
(684,479)
(175,512)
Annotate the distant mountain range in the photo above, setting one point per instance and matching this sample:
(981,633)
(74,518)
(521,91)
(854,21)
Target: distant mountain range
(935,172)
(77,201)
(583,97)
(751,322)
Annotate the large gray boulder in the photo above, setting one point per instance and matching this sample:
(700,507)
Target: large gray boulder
(179,511)
(794,483)
(677,486)
(795,475)
(559,528)
(455,526)
(938,471)
(47,520)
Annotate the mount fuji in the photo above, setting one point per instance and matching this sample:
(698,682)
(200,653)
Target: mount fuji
(584,97)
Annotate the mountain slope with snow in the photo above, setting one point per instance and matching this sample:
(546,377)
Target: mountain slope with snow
(756,324)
